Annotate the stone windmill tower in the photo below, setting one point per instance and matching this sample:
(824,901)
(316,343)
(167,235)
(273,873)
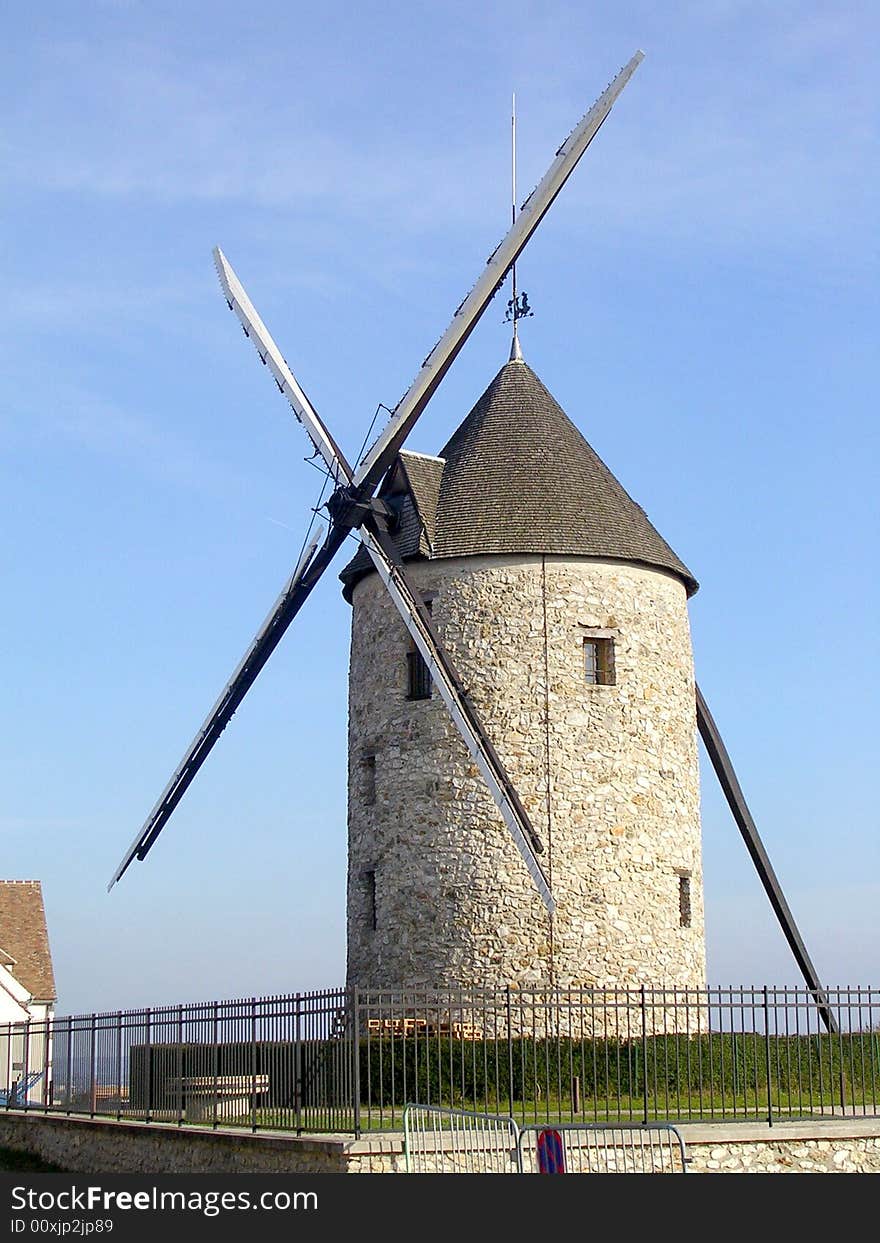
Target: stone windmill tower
(566,614)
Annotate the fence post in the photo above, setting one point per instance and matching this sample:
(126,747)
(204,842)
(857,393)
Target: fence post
(767,1056)
(297,1063)
(148,1050)
(644,1010)
(356,1056)
(119,1067)
(181,1105)
(8,1083)
(67,1083)
(47,1063)
(26,1062)
(93,1083)
(253,1064)
(509,1052)
(841,1075)
(215,1032)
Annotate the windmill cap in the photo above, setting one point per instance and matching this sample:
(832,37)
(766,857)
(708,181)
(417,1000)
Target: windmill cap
(518,477)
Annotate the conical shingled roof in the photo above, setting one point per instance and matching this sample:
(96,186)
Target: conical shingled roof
(518,477)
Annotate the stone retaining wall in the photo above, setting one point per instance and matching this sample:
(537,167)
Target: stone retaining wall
(101,1146)
(833,1147)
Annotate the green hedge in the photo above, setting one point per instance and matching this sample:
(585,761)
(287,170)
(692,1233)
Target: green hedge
(450,1071)
(453,1071)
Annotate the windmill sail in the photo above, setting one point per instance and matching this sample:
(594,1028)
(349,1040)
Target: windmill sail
(392,573)
(264,643)
(355,492)
(532,212)
(727,779)
(271,356)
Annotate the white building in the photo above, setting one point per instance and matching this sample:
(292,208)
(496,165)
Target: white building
(27,988)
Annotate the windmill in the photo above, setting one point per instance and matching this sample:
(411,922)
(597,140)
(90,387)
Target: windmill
(360,503)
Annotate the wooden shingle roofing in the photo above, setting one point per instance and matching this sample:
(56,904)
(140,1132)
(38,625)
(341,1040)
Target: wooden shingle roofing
(518,477)
(24,936)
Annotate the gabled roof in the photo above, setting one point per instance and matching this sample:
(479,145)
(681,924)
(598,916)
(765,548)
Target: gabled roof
(423,475)
(24,936)
(412,487)
(518,477)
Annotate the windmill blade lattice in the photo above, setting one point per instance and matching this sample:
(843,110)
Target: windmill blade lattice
(265,641)
(352,505)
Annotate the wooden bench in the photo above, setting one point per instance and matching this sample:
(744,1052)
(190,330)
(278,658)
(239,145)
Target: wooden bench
(206,1097)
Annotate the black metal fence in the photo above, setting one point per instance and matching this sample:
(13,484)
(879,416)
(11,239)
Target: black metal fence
(280,1063)
(349,1060)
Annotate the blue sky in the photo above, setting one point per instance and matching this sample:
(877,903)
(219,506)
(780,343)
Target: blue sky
(706,311)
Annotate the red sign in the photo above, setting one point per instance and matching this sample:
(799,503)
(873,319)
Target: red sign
(551,1152)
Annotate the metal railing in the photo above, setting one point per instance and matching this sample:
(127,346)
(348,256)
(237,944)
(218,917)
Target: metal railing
(454,1141)
(601,1055)
(602,1148)
(279,1063)
(350,1060)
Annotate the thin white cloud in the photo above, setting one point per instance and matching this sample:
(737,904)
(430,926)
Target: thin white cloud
(776,154)
(94,304)
(146,446)
(33,824)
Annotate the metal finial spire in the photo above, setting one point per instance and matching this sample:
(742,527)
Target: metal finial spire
(518,306)
(515,352)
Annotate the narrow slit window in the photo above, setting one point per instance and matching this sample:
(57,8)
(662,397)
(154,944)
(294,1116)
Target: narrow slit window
(684,900)
(418,677)
(368,767)
(370,883)
(599,662)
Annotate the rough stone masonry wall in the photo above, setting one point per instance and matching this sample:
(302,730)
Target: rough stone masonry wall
(83,1145)
(805,1156)
(98,1146)
(454,903)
